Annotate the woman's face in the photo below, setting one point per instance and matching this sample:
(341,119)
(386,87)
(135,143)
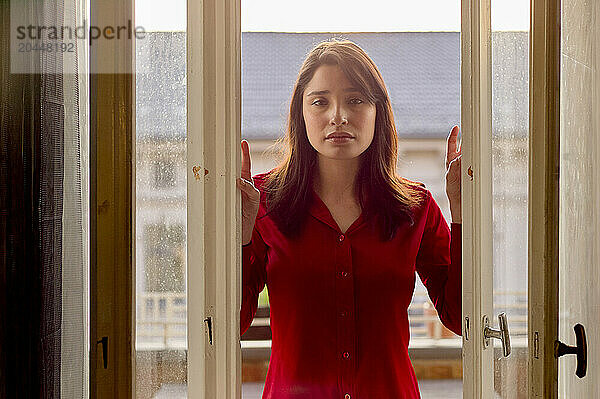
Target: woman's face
(331,108)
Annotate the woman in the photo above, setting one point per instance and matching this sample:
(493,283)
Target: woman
(337,237)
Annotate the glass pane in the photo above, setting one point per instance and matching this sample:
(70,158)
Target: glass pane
(510,158)
(421,70)
(579,235)
(161,332)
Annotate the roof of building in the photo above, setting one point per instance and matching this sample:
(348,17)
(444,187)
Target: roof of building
(421,71)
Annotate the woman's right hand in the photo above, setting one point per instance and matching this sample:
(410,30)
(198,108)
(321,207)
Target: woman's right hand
(250,196)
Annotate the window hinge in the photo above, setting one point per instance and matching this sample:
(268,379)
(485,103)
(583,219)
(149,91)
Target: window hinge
(467,327)
(536,345)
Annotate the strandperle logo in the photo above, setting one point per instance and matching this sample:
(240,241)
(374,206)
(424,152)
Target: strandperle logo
(62,47)
(53,33)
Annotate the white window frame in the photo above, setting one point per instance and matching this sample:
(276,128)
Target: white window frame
(478,363)
(213,160)
(476,123)
(213,163)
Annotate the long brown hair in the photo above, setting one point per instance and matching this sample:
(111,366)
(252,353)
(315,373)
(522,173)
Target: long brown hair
(385,198)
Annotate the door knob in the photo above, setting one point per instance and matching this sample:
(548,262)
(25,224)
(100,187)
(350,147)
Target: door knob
(580,350)
(502,333)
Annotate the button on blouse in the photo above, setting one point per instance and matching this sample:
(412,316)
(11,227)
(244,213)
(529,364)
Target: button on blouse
(347,336)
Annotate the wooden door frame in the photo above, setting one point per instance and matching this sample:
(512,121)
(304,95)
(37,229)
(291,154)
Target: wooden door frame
(544,162)
(112,202)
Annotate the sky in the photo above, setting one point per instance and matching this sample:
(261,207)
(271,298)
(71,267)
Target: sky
(339,15)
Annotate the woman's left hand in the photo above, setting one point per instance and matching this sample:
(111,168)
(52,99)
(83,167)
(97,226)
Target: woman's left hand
(453,171)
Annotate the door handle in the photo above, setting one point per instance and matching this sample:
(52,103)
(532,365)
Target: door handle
(502,333)
(580,350)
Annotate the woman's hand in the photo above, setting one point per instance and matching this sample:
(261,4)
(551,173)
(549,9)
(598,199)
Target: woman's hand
(250,195)
(453,170)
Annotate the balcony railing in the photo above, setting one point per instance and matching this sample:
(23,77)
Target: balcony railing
(161,320)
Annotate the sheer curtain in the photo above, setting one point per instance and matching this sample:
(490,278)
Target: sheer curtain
(75,234)
(63,208)
(43,212)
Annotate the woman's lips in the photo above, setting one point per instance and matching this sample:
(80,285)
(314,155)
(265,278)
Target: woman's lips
(338,134)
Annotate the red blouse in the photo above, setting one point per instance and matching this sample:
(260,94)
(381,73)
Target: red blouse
(339,302)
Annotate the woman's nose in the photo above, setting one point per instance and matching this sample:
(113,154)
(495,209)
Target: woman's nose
(339,116)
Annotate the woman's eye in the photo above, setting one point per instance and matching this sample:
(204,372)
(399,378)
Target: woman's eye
(317,102)
(356,101)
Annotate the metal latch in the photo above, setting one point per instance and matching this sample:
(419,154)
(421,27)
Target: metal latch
(104,342)
(502,333)
(208,322)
